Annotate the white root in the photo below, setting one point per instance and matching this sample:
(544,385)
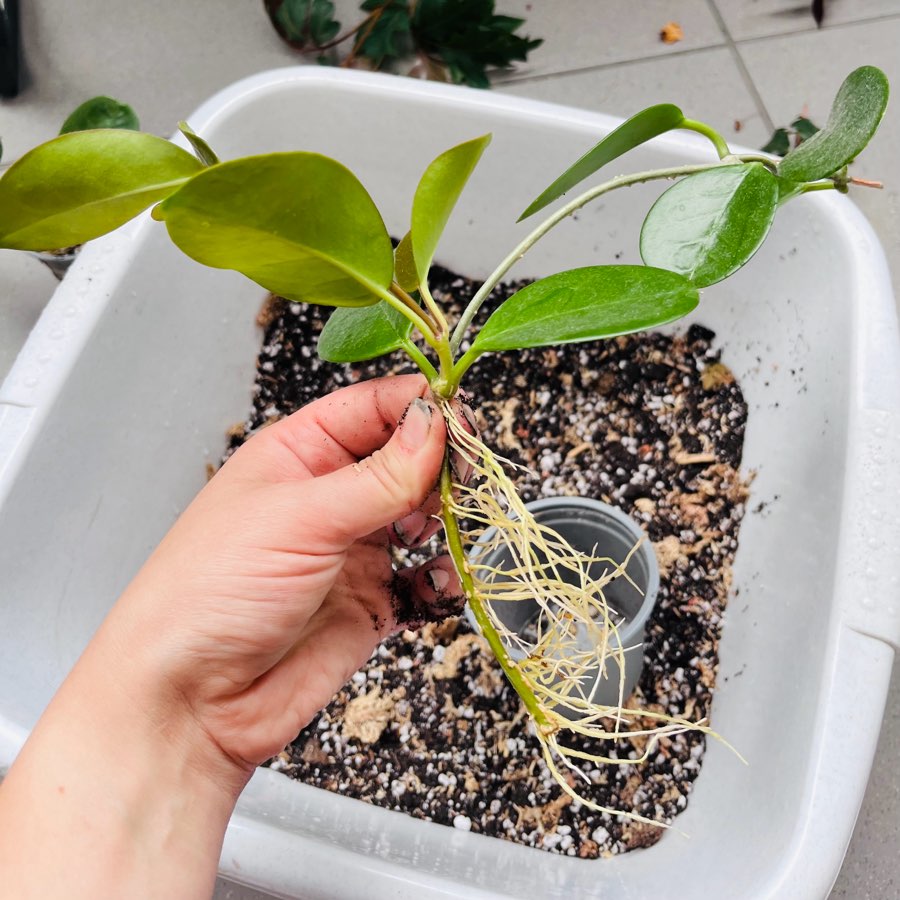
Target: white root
(559,667)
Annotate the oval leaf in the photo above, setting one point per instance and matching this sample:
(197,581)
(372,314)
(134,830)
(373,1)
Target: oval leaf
(202,150)
(355,334)
(640,128)
(101,112)
(585,304)
(81,185)
(405,266)
(709,224)
(855,115)
(299,224)
(437,193)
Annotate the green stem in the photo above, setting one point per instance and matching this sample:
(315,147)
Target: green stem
(465,320)
(818,186)
(702,128)
(419,358)
(410,312)
(458,554)
(436,313)
(767,161)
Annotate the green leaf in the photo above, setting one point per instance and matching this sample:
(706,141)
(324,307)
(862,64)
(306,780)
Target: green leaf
(81,185)
(469,37)
(804,128)
(585,304)
(204,152)
(387,37)
(356,334)
(437,193)
(299,224)
(779,143)
(854,118)
(101,112)
(709,224)
(304,22)
(640,128)
(405,266)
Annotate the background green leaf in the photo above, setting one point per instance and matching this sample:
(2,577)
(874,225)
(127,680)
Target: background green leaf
(585,304)
(405,266)
(304,22)
(101,112)
(640,128)
(855,115)
(709,224)
(437,193)
(779,143)
(353,334)
(81,185)
(469,37)
(300,224)
(203,151)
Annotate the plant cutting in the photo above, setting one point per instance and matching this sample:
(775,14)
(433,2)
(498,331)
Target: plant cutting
(329,245)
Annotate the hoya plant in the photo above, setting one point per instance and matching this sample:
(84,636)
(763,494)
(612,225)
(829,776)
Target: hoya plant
(302,226)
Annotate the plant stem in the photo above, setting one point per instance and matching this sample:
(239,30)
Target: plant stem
(410,310)
(702,128)
(436,313)
(768,162)
(818,186)
(422,361)
(458,554)
(465,320)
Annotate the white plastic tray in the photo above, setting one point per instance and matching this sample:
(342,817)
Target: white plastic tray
(143,359)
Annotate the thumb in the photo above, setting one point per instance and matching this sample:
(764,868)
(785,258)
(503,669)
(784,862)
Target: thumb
(389,484)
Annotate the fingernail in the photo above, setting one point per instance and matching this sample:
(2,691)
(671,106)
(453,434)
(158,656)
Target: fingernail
(409,528)
(416,424)
(438,579)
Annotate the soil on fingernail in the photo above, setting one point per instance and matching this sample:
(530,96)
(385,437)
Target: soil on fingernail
(653,424)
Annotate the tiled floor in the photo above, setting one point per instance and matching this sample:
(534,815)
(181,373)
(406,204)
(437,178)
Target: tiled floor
(743,65)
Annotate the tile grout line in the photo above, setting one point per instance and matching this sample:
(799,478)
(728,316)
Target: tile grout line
(543,76)
(742,67)
(826,28)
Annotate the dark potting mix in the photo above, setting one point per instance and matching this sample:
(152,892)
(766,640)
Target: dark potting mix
(650,423)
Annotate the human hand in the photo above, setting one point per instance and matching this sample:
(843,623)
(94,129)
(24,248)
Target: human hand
(270,590)
(277,582)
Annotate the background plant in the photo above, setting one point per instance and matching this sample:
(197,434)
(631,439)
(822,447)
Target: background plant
(302,226)
(450,40)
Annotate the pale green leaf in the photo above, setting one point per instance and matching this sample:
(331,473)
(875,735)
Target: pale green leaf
(202,150)
(299,224)
(405,266)
(84,184)
(437,193)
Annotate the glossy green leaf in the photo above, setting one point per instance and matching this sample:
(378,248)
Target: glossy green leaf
(356,333)
(299,224)
(304,22)
(101,112)
(405,266)
(854,118)
(203,151)
(709,224)
(81,185)
(585,304)
(637,130)
(437,193)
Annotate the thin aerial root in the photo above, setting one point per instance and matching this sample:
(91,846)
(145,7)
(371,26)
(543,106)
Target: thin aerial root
(575,638)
